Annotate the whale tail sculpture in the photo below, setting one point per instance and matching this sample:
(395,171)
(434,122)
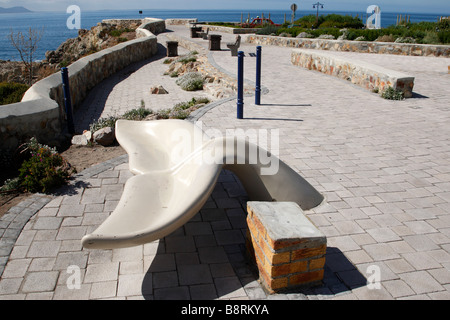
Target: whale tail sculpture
(176,167)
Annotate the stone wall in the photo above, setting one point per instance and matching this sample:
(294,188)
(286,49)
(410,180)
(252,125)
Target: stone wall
(227,29)
(353,46)
(42,112)
(177,22)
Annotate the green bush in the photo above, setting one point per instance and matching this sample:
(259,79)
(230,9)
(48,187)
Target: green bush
(45,170)
(392,94)
(137,114)
(103,123)
(11,92)
(191,81)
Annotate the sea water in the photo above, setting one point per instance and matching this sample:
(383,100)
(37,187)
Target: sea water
(55,31)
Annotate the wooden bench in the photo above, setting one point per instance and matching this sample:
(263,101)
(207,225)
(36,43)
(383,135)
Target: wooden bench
(234,46)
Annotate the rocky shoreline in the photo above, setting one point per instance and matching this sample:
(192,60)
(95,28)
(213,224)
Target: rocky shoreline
(102,36)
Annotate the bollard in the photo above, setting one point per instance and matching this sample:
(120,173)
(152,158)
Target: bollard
(240,97)
(67,99)
(258,76)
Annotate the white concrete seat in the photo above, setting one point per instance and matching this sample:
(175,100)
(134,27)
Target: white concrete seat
(177,167)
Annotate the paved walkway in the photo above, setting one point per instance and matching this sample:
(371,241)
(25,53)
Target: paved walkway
(383,167)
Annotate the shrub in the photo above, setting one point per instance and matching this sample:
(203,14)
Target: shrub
(191,81)
(178,113)
(137,114)
(103,123)
(45,170)
(163,113)
(392,94)
(386,38)
(268,30)
(11,92)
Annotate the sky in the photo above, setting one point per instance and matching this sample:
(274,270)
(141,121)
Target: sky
(407,6)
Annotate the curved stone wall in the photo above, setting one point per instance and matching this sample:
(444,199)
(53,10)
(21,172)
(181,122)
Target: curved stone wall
(42,112)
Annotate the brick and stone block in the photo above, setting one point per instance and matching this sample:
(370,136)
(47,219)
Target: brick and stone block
(287,248)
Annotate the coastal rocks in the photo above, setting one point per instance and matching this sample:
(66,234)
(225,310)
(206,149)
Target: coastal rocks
(99,37)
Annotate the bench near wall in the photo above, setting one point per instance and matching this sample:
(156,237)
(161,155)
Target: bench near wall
(42,112)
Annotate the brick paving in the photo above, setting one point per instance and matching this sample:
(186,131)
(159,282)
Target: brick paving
(383,167)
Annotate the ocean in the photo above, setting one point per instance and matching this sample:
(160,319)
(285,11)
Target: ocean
(55,29)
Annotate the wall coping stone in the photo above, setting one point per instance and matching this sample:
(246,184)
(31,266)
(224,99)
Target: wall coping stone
(412,49)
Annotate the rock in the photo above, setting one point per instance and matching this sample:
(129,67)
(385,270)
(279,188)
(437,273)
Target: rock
(88,135)
(158,90)
(80,140)
(105,136)
(304,35)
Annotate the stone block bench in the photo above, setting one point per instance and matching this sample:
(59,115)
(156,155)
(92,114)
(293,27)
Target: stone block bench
(288,249)
(366,75)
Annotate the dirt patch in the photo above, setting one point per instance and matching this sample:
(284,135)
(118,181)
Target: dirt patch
(83,157)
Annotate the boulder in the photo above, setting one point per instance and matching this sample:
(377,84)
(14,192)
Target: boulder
(158,90)
(80,140)
(104,136)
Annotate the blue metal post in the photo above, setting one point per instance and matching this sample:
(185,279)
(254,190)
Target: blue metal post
(240,98)
(67,99)
(258,76)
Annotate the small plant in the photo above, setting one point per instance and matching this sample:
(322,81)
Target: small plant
(392,94)
(179,113)
(163,114)
(11,185)
(137,114)
(187,59)
(103,123)
(44,171)
(167,61)
(191,81)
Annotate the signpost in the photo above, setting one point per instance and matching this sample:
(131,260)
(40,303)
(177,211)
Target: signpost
(293,8)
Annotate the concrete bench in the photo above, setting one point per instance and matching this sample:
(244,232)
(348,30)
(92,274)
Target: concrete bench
(366,75)
(234,46)
(177,166)
(287,247)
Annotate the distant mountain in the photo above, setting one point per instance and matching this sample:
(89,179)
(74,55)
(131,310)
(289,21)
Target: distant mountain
(14,10)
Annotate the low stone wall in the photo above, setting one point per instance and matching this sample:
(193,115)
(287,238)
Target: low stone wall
(42,112)
(363,74)
(227,29)
(353,46)
(178,22)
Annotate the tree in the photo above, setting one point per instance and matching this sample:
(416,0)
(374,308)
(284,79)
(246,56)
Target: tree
(26,45)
